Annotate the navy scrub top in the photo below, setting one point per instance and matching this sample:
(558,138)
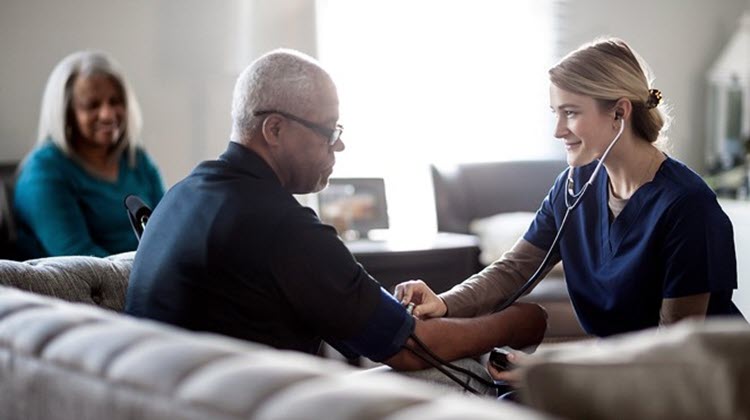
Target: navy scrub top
(671,240)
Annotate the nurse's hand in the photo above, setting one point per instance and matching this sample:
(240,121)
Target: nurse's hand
(512,376)
(427,303)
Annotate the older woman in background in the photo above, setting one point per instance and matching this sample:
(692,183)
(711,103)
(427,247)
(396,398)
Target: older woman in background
(70,189)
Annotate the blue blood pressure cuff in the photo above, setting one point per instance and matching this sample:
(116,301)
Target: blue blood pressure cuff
(384,333)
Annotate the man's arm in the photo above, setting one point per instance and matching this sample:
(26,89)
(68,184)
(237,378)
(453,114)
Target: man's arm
(521,325)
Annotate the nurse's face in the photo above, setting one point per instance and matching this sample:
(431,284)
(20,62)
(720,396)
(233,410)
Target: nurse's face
(585,129)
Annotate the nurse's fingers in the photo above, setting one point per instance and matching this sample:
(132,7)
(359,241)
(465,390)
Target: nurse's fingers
(412,290)
(512,376)
(433,307)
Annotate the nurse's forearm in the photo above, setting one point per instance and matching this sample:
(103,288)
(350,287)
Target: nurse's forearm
(675,309)
(484,291)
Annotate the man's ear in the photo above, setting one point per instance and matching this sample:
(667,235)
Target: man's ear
(271,129)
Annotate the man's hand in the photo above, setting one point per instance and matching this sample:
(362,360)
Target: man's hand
(427,303)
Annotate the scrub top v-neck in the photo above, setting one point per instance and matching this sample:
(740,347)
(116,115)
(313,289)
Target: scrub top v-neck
(670,240)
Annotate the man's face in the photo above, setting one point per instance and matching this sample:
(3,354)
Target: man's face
(308,154)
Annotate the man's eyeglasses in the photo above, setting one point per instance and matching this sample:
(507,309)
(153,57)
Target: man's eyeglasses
(331,134)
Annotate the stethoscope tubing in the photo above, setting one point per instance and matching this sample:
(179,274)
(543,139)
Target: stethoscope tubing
(577,199)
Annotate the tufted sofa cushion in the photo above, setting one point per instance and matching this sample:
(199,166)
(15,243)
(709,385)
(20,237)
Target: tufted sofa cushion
(70,361)
(98,281)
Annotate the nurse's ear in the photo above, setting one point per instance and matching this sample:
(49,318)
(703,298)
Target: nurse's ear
(621,111)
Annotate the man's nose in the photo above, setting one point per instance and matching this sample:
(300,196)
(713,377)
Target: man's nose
(339,146)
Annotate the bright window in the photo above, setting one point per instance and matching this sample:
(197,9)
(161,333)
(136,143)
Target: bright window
(436,81)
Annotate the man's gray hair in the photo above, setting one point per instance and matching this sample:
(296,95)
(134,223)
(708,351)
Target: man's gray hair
(281,80)
(58,96)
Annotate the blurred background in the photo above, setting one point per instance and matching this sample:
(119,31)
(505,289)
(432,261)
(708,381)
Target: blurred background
(420,82)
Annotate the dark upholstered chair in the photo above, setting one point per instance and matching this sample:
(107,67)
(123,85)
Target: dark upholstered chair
(7,222)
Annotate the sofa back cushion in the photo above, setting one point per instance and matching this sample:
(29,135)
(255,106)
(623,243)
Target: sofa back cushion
(97,281)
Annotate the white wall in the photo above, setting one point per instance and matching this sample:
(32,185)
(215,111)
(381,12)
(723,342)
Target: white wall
(182,56)
(678,38)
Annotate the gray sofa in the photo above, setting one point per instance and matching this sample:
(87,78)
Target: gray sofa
(465,193)
(67,360)
(63,360)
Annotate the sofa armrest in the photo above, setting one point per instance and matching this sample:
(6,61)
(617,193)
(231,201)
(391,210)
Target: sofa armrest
(689,370)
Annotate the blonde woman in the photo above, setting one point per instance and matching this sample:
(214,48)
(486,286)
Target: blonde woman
(648,245)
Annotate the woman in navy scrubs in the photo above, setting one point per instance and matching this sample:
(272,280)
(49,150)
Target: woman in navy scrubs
(649,244)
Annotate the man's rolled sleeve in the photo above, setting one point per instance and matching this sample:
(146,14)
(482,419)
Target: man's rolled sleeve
(384,333)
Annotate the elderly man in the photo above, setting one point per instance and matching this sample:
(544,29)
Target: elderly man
(229,249)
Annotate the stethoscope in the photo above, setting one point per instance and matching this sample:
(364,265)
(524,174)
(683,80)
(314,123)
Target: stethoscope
(424,352)
(576,199)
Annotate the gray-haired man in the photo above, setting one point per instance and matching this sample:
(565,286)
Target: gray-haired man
(229,249)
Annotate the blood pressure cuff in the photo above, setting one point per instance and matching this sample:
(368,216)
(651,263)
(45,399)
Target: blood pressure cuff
(383,335)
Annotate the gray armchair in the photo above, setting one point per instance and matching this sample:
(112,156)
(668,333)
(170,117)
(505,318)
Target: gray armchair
(470,191)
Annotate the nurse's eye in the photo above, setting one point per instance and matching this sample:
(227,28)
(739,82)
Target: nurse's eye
(570,114)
